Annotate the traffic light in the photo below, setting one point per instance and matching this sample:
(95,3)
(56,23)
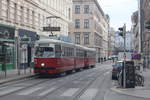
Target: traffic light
(121,31)
(147,25)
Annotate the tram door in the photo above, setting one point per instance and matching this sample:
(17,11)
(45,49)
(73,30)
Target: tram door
(2,57)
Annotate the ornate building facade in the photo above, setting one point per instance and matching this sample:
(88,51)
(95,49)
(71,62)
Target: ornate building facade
(90,26)
(25,19)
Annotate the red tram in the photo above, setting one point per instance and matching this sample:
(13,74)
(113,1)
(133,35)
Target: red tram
(55,56)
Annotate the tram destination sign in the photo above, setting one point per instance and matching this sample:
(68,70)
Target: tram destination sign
(51,28)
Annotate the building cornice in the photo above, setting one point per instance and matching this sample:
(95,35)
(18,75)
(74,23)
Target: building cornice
(45,10)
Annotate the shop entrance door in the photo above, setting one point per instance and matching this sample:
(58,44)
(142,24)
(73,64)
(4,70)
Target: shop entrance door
(7,56)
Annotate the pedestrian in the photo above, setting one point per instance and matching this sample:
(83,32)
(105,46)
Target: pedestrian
(113,60)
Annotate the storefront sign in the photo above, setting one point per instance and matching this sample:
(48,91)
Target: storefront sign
(27,36)
(136,56)
(51,28)
(7,32)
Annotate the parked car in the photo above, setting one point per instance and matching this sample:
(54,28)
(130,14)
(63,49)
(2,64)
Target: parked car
(109,58)
(117,67)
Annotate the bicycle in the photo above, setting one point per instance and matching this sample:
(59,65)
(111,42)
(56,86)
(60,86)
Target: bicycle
(139,80)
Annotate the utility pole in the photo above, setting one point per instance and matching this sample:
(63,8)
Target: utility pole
(123,34)
(124,70)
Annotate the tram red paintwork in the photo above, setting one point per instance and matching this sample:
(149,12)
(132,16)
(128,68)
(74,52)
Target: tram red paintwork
(62,64)
(53,65)
(79,63)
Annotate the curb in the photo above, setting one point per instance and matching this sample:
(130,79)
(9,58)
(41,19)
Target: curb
(16,79)
(123,93)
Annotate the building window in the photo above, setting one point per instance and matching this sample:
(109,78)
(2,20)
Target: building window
(43,20)
(33,16)
(22,15)
(8,10)
(15,12)
(86,23)
(77,9)
(77,37)
(69,13)
(86,38)
(39,19)
(86,9)
(28,16)
(77,23)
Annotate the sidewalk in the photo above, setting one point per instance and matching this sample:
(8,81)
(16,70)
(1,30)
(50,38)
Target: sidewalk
(13,75)
(139,92)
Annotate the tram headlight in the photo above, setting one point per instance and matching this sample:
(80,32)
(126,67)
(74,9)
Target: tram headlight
(42,64)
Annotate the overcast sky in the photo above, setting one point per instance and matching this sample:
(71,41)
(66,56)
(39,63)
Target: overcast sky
(120,11)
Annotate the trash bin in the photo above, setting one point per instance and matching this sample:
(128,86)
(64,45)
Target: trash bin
(130,74)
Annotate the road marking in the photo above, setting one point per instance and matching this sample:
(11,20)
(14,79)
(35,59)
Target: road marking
(106,73)
(76,82)
(47,91)
(70,92)
(7,91)
(3,87)
(29,91)
(89,94)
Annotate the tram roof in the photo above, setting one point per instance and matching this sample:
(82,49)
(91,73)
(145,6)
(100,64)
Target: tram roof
(62,42)
(86,48)
(52,41)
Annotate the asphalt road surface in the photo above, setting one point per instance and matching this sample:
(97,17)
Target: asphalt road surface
(90,84)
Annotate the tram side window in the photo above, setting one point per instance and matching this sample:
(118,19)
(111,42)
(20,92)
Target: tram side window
(67,52)
(64,51)
(89,54)
(58,50)
(79,53)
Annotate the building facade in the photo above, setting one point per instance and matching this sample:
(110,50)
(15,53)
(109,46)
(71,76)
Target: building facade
(22,20)
(145,33)
(90,26)
(111,41)
(141,34)
(135,31)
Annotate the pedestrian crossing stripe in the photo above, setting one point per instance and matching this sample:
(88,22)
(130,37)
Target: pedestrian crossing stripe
(47,91)
(29,91)
(89,94)
(10,90)
(70,92)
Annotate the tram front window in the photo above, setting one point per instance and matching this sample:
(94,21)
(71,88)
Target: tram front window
(44,52)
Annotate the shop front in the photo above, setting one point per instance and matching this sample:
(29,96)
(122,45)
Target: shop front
(7,47)
(27,41)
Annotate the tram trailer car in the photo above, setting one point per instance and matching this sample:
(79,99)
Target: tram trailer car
(79,57)
(89,58)
(55,56)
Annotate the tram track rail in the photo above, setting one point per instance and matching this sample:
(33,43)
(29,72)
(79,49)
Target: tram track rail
(38,83)
(69,78)
(77,97)
(64,84)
